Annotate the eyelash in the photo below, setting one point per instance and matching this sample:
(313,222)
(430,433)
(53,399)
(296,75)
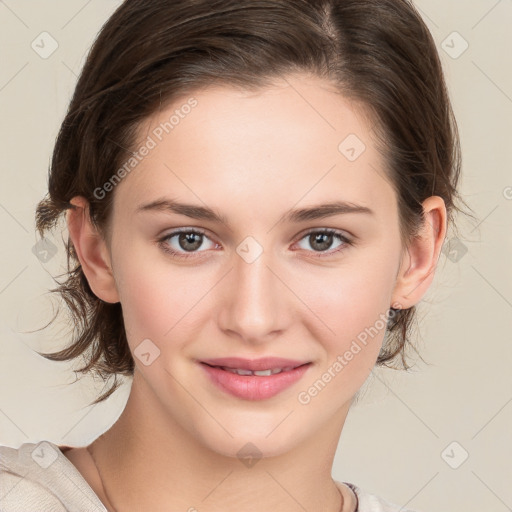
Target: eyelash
(327,231)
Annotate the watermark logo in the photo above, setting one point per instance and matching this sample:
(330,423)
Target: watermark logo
(352,147)
(249,249)
(454,455)
(454,45)
(44,455)
(44,250)
(147,352)
(44,45)
(249,455)
(454,249)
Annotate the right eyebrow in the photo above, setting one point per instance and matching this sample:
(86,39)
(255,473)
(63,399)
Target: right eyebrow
(188,210)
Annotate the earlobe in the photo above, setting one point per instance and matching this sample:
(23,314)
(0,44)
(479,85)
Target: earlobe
(92,251)
(419,263)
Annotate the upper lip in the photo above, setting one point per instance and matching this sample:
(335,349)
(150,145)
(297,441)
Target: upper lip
(264,363)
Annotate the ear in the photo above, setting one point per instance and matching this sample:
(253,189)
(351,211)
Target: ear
(420,259)
(92,251)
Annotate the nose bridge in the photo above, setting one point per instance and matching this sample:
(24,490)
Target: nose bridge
(255,302)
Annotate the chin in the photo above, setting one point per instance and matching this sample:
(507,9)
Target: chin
(248,441)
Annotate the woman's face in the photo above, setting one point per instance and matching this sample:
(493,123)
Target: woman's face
(264,281)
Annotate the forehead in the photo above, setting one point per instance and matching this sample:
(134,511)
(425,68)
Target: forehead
(296,141)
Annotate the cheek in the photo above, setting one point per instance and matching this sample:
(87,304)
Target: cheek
(158,299)
(356,317)
(350,304)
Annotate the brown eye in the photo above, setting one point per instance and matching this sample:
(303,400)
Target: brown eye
(179,243)
(320,241)
(190,241)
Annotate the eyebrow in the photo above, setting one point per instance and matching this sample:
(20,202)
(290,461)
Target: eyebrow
(296,215)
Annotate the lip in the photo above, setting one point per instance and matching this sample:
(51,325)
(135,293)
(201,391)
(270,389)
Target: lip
(254,387)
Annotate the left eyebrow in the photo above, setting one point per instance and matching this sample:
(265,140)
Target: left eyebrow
(320,211)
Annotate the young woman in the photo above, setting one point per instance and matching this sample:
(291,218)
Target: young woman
(250,187)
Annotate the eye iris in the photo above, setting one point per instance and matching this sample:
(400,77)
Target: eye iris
(321,238)
(194,238)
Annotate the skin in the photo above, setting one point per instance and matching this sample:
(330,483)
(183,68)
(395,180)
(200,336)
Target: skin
(175,445)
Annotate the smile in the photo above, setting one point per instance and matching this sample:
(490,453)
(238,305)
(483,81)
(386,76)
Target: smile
(258,384)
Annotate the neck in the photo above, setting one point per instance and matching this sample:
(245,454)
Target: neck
(147,461)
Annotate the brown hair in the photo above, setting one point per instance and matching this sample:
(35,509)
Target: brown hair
(378,53)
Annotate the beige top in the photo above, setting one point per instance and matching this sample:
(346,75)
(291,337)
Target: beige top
(39,477)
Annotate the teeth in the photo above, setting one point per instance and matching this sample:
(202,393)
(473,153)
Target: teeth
(263,373)
(240,372)
(259,373)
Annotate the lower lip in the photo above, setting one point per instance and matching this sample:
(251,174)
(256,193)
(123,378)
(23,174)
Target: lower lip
(253,387)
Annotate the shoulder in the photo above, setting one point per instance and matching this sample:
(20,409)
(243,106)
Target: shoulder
(38,477)
(19,494)
(368,502)
(19,491)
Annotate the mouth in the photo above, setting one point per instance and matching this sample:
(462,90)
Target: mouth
(254,379)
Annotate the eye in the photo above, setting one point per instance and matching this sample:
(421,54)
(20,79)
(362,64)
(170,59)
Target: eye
(186,241)
(322,239)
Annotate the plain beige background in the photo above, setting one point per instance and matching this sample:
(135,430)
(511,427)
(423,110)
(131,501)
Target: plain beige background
(435,439)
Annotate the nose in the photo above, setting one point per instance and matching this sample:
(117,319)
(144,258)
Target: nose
(255,302)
